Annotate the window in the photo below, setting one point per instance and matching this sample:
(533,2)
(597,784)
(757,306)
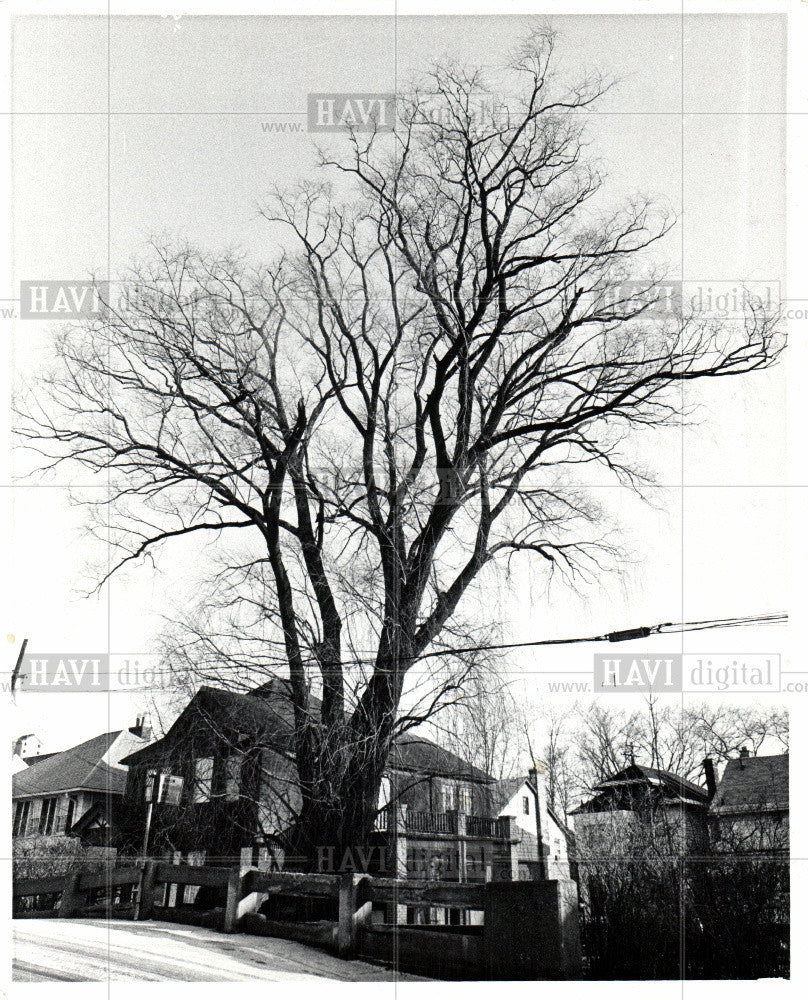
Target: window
(203,779)
(464,799)
(47,815)
(71,811)
(526,805)
(448,796)
(21,814)
(232,778)
(384,793)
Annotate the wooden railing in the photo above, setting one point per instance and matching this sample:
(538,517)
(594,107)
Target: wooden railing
(134,892)
(486,826)
(114,892)
(428,822)
(419,893)
(348,901)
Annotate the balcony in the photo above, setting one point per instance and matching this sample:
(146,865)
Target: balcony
(446,824)
(492,827)
(428,822)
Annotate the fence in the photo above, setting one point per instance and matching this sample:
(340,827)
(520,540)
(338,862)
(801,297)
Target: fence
(524,930)
(79,894)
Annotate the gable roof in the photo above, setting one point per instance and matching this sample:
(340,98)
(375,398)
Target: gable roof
(80,768)
(104,814)
(503,791)
(752,784)
(672,787)
(265,715)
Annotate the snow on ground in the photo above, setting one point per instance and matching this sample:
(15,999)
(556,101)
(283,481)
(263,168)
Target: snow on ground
(96,950)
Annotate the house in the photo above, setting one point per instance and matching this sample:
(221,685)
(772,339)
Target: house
(26,746)
(749,812)
(24,750)
(641,810)
(525,799)
(55,791)
(221,784)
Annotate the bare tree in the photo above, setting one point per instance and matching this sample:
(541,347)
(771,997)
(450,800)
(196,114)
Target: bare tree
(485,726)
(389,409)
(558,754)
(669,737)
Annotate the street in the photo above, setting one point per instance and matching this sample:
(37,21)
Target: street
(96,950)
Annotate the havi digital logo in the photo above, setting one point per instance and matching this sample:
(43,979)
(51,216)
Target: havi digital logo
(660,672)
(55,672)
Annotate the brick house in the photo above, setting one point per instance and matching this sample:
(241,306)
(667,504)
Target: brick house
(234,795)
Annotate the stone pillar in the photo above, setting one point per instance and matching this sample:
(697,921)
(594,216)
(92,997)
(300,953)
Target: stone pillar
(145,906)
(347,908)
(71,898)
(531,930)
(232,900)
(400,842)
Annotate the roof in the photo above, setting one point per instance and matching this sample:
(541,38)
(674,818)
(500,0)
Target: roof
(79,768)
(504,790)
(672,787)
(103,814)
(38,757)
(267,717)
(752,784)
(416,755)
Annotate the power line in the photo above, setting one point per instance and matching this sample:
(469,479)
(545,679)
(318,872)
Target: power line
(625,635)
(620,635)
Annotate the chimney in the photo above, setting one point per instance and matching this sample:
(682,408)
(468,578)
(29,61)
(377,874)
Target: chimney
(537,775)
(709,776)
(142,727)
(743,755)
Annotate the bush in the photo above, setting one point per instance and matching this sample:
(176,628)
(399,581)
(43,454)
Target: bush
(708,918)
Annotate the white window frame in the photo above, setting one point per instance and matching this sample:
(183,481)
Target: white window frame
(47,815)
(464,799)
(22,817)
(203,779)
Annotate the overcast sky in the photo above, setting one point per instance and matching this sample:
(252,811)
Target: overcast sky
(183,154)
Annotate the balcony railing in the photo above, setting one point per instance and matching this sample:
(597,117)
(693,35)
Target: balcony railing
(486,826)
(429,822)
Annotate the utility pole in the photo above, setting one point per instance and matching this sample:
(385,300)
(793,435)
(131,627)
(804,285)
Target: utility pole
(15,674)
(156,788)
